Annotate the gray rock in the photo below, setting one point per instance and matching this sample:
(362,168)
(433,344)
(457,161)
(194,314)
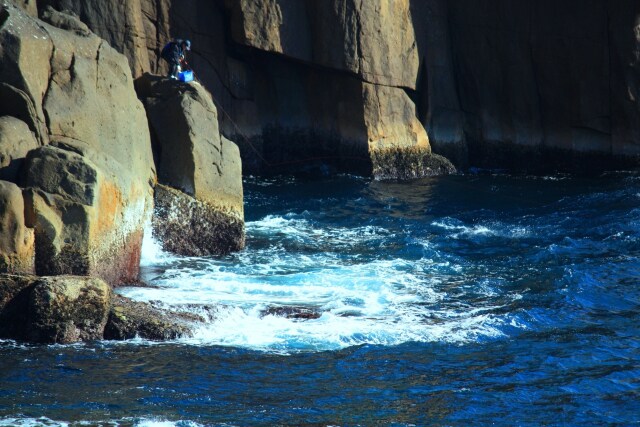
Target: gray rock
(130,319)
(192,155)
(16,140)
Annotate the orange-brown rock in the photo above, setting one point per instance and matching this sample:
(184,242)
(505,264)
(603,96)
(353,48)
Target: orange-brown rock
(90,181)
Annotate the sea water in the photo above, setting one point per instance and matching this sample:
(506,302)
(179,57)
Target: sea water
(453,301)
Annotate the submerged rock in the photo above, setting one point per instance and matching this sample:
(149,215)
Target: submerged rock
(130,319)
(301,313)
(191,227)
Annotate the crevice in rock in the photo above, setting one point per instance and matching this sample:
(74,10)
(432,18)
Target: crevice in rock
(4,16)
(98,63)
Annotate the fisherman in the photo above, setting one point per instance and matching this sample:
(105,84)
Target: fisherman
(174,53)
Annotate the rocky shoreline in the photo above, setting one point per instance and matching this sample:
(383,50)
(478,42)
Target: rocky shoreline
(94,145)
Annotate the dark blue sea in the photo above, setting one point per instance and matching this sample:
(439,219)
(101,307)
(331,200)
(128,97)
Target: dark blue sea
(470,300)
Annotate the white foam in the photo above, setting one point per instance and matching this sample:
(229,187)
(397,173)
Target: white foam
(490,229)
(152,253)
(371,301)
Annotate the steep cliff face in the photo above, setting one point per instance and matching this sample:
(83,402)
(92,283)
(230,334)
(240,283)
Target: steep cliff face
(536,85)
(299,82)
(521,85)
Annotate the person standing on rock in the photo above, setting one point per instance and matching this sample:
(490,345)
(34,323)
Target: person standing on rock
(174,53)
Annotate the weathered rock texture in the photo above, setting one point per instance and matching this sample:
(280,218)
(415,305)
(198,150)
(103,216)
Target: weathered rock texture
(16,140)
(67,309)
(191,154)
(17,242)
(522,85)
(205,215)
(90,169)
(193,227)
(61,309)
(301,83)
(129,319)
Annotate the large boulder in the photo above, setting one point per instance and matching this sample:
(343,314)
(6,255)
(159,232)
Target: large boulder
(192,154)
(206,215)
(68,309)
(90,196)
(61,309)
(17,242)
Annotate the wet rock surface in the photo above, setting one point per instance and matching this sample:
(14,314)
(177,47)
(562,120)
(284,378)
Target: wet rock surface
(130,319)
(289,312)
(67,309)
(187,226)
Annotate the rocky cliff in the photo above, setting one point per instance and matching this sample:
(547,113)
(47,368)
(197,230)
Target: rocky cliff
(360,84)
(78,177)
(75,139)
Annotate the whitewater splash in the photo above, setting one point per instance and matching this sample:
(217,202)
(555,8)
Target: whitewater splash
(291,264)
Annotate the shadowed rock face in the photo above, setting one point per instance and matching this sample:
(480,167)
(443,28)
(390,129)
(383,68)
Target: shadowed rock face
(300,83)
(530,85)
(17,243)
(521,85)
